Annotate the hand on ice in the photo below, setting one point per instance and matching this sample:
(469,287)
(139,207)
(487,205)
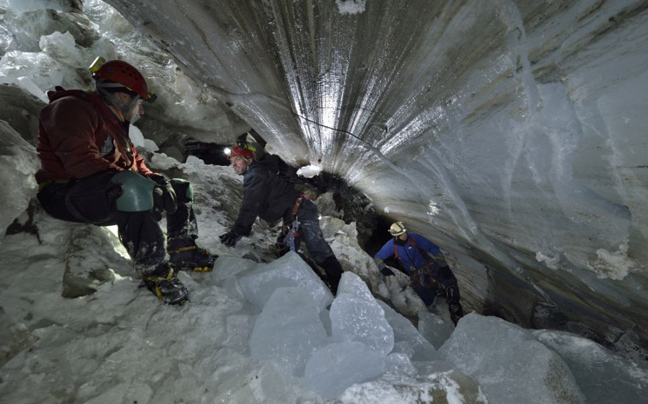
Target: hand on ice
(230,238)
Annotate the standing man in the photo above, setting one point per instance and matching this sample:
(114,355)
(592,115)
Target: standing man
(268,196)
(423,261)
(91,173)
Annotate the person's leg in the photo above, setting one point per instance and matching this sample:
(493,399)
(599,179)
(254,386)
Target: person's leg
(144,240)
(451,287)
(454,306)
(182,232)
(281,246)
(425,292)
(311,234)
(94,200)
(88,200)
(182,228)
(140,233)
(142,237)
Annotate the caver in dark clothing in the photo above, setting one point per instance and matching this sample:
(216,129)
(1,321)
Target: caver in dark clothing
(270,197)
(265,195)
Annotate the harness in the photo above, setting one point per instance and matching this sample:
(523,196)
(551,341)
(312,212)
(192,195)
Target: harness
(292,232)
(418,273)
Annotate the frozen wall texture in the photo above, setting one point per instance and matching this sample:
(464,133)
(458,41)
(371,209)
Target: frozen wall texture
(513,133)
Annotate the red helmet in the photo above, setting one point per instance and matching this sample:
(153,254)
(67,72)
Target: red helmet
(123,73)
(241,151)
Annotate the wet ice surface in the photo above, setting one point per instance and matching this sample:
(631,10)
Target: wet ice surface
(357,316)
(337,366)
(604,377)
(288,330)
(259,285)
(509,363)
(534,162)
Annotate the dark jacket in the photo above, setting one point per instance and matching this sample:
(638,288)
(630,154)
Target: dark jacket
(265,195)
(80,136)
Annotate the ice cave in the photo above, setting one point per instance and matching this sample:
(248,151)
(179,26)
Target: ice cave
(507,131)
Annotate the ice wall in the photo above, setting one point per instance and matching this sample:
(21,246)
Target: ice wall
(510,132)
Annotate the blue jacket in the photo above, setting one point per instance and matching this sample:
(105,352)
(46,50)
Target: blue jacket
(409,255)
(411,258)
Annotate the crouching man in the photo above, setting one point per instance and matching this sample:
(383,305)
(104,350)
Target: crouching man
(91,173)
(268,196)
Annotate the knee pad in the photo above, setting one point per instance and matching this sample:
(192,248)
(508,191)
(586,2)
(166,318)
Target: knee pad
(137,192)
(183,190)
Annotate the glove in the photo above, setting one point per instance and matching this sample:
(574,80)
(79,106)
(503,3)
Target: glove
(230,238)
(387,272)
(164,195)
(383,268)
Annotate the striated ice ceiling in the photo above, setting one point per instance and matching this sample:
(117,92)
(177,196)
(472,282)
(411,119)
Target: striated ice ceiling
(513,133)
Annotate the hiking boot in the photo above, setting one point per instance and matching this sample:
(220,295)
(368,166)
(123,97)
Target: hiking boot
(456,311)
(192,258)
(164,284)
(333,271)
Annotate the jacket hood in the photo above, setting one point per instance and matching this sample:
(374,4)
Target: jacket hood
(269,161)
(60,92)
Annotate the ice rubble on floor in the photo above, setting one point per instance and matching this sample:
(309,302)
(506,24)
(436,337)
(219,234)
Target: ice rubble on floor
(357,347)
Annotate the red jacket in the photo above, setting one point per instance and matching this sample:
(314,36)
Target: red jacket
(80,136)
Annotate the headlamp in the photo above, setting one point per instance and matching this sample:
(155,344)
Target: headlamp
(245,145)
(96,64)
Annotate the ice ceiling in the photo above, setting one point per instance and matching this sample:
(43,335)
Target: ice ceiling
(511,132)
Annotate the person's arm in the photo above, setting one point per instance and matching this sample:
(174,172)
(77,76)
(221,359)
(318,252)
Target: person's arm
(431,248)
(71,126)
(385,252)
(164,191)
(140,164)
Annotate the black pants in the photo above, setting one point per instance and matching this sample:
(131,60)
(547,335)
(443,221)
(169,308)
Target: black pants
(93,200)
(430,284)
(311,234)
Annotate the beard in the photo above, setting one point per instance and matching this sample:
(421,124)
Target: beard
(240,170)
(398,241)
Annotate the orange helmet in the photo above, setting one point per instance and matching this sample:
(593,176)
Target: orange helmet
(242,151)
(118,71)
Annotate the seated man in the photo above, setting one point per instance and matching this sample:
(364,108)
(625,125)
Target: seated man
(91,173)
(266,194)
(423,261)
